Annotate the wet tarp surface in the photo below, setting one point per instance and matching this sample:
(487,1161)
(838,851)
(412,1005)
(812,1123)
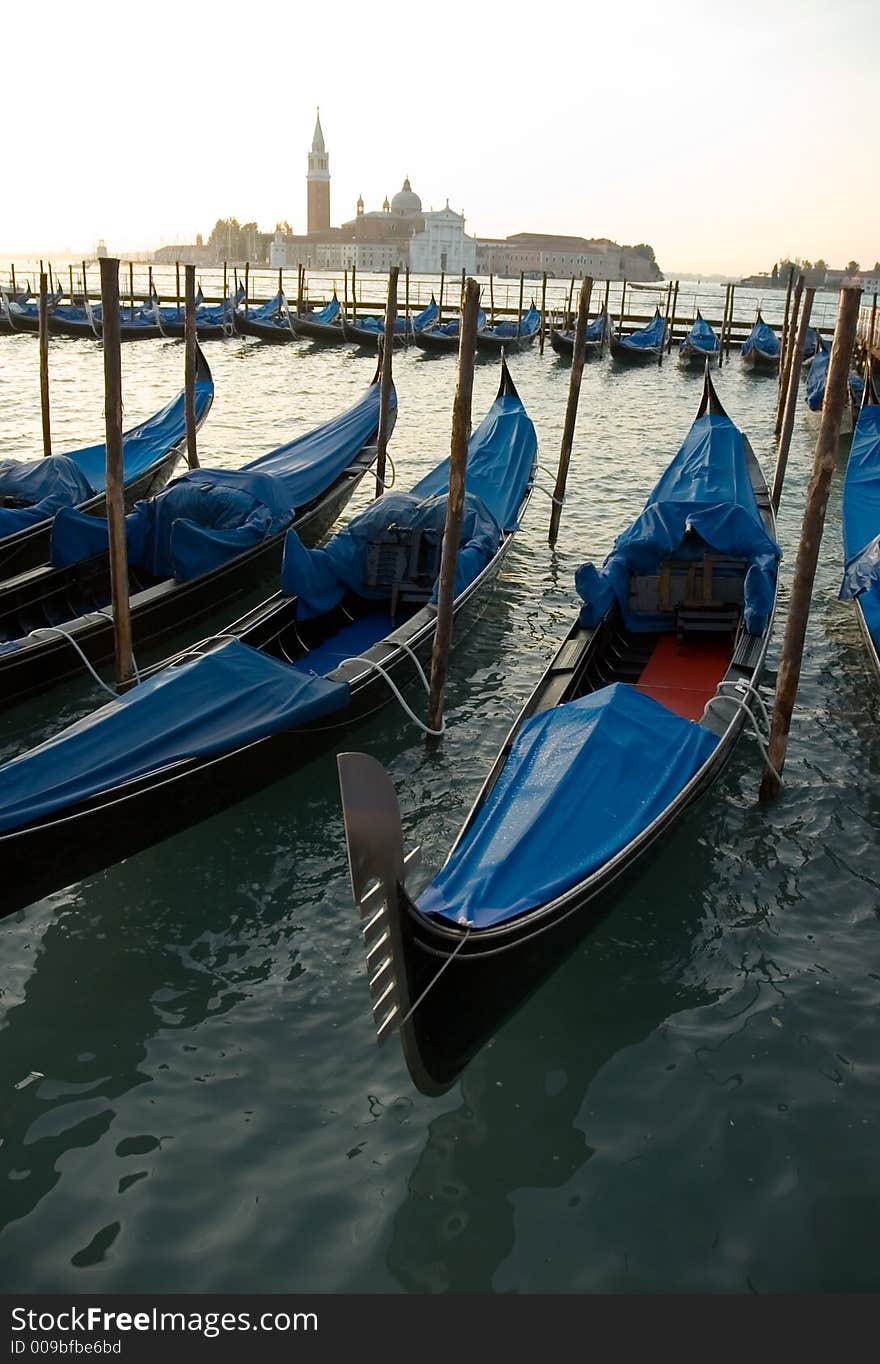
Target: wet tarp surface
(861,519)
(206,705)
(580,783)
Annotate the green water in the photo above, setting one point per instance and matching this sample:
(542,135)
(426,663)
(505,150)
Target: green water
(690,1103)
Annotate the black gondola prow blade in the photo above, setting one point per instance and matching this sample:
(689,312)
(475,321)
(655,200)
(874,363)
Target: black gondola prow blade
(378,870)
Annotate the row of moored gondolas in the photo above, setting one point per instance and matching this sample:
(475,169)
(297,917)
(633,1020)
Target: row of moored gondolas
(634,719)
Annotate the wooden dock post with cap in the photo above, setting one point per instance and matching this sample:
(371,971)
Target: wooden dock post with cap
(574,388)
(461,424)
(385,380)
(836,395)
(44,366)
(522,281)
(791,399)
(440,300)
(189,368)
(115,497)
(787,357)
(622,305)
(729,320)
(407,326)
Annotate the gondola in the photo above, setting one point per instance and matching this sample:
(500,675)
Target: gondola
(817,376)
(269,322)
(85,321)
(700,344)
(634,719)
(510,336)
(33,492)
(442,337)
(324,326)
(281,685)
(861,524)
(643,345)
(761,348)
(365,331)
(595,337)
(209,534)
(214,321)
(22,312)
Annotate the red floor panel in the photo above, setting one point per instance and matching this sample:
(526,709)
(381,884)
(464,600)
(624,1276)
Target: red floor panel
(682,677)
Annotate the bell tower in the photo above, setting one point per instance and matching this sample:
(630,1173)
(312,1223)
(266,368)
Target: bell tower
(318,183)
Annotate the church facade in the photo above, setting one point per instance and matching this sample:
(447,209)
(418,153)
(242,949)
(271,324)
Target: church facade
(402,233)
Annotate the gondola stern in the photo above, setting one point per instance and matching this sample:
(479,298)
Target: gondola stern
(710,402)
(506,388)
(377,869)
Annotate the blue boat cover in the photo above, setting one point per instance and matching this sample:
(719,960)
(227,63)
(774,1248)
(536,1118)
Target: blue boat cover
(861,519)
(401,324)
(209,516)
(501,457)
(209,704)
(47,486)
(581,781)
(705,498)
(700,337)
(649,337)
(451,327)
(529,325)
(761,338)
(267,312)
(42,486)
(328,314)
(597,329)
(817,377)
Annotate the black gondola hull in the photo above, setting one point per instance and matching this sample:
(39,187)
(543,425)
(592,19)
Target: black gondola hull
(273,332)
(761,361)
(634,355)
(436,342)
(169,606)
(57,851)
(328,333)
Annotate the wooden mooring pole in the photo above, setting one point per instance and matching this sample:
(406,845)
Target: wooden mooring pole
(247,284)
(787,356)
(724,323)
(300,290)
(491,301)
(522,281)
(131,289)
(543,311)
(354,294)
(672,319)
(786,320)
(189,367)
(385,381)
(115,496)
(791,400)
(407,331)
(574,389)
(177,284)
(44,366)
(730,320)
(461,425)
(440,301)
(12,277)
(825,459)
(568,314)
(70,282)
(622,305)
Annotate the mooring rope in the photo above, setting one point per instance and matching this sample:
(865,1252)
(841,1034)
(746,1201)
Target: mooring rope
(65,634)
(371,663)
(742,704)
(385,484)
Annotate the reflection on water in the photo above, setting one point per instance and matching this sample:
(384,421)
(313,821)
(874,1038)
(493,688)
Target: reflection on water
(689,1103)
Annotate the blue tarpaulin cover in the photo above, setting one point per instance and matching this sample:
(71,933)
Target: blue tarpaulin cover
(209,704)
(50,484)
(451,327)
(581,781)
(209,516)
(762,338)
(811,342)
(501,456)
(861,519)
(817,377)
(706,490)
(700,337)
(401,324)
(530,323)
(648,337)
(328,314)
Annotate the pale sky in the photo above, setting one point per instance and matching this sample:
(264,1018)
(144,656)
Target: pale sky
(725,137)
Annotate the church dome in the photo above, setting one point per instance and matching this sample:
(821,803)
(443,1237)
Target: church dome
(406,201)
